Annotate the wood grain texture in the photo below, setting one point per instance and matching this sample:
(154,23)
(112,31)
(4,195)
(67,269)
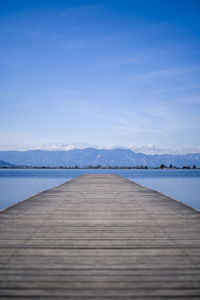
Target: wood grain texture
(99,236)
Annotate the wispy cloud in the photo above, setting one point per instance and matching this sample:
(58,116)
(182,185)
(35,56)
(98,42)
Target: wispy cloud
(161,73)
(146,149)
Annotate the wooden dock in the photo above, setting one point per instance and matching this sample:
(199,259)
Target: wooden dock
(100,236)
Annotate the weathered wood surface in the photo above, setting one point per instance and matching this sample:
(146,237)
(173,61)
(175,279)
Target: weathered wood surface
(100,237)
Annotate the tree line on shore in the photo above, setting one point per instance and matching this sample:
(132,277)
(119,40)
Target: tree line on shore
(162,166)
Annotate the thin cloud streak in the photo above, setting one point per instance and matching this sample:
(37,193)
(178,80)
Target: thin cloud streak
(146,149)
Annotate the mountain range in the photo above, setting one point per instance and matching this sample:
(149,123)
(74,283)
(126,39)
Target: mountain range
(94,157)
(6,164)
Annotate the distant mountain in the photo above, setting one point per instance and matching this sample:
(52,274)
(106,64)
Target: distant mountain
(91,156)
(6,164)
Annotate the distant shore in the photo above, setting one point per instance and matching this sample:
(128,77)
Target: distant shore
(161,167)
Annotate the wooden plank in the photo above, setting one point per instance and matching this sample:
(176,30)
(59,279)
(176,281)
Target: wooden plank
(100,236)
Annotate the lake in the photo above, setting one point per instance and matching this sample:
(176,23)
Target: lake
(19,184)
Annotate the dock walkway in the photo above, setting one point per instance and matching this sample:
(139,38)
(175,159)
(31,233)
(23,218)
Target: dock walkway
(100,236)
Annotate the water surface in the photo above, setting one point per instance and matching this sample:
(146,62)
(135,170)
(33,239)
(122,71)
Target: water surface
(18,184)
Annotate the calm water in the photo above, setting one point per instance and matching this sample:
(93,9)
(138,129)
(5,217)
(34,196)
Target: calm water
(16,185)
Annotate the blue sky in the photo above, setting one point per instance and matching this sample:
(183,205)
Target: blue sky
(100,73)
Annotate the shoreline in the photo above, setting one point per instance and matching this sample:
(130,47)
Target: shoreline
(101,168)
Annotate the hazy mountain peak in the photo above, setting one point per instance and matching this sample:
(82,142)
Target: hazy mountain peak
(93,156)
